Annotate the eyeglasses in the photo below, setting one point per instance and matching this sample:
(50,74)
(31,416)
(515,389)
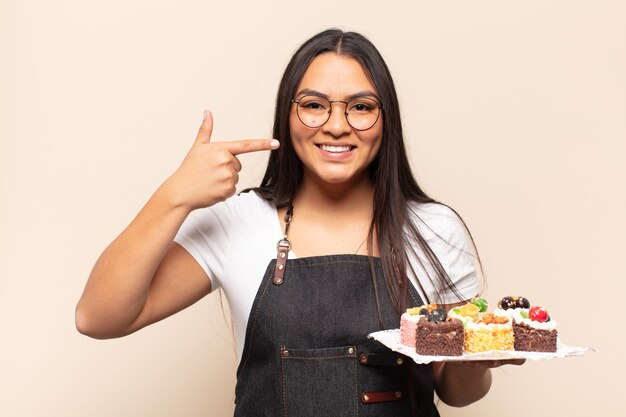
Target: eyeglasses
(361,113)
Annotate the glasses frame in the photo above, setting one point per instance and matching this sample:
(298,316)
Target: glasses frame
(330,110)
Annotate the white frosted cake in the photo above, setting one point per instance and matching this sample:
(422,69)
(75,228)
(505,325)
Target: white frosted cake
(533,329)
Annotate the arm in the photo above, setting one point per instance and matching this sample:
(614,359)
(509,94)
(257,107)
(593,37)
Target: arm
(461,383)
(142,276)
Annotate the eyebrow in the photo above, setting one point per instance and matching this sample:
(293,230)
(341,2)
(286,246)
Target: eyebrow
(364,93)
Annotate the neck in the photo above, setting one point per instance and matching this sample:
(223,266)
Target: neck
(333,199)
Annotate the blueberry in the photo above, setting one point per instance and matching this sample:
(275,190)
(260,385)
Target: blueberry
(522,302)
(514,302)
(437,315)
(507,303)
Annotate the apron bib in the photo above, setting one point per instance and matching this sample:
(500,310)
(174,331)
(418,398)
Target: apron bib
(307,354)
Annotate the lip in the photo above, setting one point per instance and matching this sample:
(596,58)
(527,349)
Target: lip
(335,144)
(335,156)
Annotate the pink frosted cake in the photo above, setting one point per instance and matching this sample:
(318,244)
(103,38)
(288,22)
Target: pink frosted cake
(408,323)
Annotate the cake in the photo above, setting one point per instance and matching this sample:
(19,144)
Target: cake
(483,331)
(514,325)
(439,335)
(488,332)
(408,323)
(533,329)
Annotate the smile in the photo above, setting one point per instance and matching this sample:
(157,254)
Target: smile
(335,149)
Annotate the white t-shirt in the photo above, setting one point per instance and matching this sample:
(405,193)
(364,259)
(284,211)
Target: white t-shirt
(234,242)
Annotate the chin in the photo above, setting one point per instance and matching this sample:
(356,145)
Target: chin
(340,178)
(337,180)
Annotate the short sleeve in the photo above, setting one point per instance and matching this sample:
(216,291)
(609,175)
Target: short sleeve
(447,237)
(204,234)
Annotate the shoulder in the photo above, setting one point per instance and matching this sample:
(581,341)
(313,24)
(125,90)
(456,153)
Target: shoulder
(431,211)
(436,220)
(449,240)
(242,210)
(250,204)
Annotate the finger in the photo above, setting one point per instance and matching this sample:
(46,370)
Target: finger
(238,147)
(482,363)
(206,128)
(476,364)
(502,362)
(236,164)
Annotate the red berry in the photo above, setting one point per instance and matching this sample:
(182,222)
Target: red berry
(539,314)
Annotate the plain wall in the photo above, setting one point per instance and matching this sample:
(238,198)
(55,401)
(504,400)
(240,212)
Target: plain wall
(514,113)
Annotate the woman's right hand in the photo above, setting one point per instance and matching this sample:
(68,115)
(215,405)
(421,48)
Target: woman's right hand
(210,171)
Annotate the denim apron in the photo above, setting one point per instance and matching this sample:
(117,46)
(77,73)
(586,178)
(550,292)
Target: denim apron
(306,352)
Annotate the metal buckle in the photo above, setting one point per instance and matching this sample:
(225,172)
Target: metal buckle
(283,242)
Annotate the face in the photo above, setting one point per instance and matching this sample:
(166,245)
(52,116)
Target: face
(335,152)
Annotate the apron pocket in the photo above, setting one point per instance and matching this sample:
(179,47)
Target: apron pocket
(319,382)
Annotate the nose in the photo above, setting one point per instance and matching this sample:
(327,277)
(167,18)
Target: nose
(337,124)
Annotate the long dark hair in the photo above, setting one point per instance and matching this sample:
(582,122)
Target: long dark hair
(396,193)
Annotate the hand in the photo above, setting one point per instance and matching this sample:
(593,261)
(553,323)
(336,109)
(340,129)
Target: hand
(491,364)
(461,383)
(210,171)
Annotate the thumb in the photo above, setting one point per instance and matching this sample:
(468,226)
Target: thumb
(204,134)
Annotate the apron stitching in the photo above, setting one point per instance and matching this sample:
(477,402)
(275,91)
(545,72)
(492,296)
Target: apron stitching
(256,313)
(328,263)
(318,358)
(282,374)
(356,387)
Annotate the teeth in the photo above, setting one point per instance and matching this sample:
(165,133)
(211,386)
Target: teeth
(329,148)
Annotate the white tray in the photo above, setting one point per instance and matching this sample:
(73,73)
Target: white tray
(391,339)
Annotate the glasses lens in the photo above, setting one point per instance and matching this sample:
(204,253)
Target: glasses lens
(362,113)
(313,111)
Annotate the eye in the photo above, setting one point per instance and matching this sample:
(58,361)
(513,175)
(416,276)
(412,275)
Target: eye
(362,106)
(313,104)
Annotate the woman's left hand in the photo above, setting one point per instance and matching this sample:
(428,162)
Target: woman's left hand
(491,364)
(461,383)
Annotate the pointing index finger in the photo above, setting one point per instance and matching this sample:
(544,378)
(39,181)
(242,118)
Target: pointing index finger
(238,147)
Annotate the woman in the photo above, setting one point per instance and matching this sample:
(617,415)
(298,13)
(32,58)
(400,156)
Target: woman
(360,242)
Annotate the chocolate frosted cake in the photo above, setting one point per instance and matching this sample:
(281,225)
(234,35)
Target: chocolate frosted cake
(533,329)
(438,335)
(533,339)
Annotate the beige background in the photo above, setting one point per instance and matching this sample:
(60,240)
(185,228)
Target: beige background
(515,114)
